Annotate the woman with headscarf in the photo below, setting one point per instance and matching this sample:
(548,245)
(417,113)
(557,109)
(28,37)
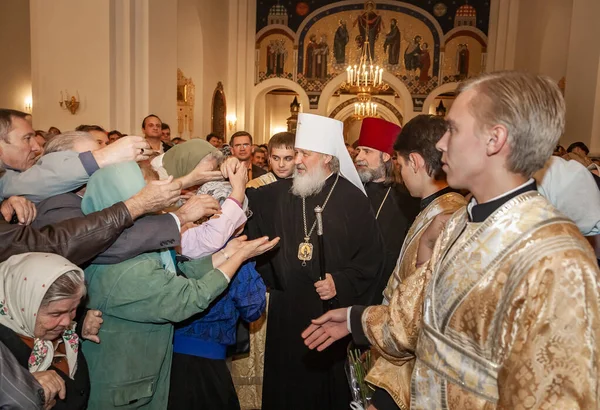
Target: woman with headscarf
(39,294)
(194,155)
(141,298)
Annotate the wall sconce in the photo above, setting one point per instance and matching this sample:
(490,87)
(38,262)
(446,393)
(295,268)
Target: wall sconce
(231,121)
(69,103)
(28,104)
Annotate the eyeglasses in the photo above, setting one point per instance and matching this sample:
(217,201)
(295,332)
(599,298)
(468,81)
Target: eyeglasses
(238,146)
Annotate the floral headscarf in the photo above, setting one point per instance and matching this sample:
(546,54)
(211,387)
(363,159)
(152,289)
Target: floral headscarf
(24,281)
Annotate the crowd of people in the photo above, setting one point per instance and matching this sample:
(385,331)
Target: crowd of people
(155,272)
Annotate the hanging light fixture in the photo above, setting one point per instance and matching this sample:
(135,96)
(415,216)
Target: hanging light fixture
(364,79)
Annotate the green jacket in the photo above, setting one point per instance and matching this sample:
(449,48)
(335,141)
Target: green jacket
(140,300)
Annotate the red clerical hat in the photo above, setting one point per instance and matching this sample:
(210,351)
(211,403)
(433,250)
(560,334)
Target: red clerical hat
(378,134)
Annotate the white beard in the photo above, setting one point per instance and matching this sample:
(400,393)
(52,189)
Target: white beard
(309,183)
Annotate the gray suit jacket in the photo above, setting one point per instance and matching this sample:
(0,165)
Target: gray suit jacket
(148,233)
(18,388)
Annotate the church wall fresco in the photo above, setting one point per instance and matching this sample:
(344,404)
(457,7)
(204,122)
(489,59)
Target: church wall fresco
(276,57)
(424,43)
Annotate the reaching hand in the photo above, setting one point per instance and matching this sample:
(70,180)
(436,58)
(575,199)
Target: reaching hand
(256,247)
(155,196)
(91,325)
(238,176)
(25,210)
(52,384)
(326,329)
(229,162)
(326,287)
(196,208)
(129,148)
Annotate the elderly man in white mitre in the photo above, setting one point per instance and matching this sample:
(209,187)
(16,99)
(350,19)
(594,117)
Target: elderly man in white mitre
(304,278)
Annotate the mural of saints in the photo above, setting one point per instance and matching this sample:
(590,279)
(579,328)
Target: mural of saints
(412,55)
(339,43)
(369,25)
(462,61)
(425,63)
(311,47)
(316,58)
(276,55)
(392,43)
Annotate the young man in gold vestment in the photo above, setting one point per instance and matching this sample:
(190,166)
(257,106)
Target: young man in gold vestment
(511,313)
(421,168)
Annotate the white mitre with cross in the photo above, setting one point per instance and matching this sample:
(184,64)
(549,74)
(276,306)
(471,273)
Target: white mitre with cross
(326,135)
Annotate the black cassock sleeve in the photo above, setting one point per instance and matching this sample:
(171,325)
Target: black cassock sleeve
(356,283)
(258,225)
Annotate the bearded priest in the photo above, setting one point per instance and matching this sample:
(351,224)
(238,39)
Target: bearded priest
(394,208)
(296,377)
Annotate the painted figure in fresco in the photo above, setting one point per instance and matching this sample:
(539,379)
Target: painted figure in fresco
(370,24)
(392,43)
(311,47)
(276,54)
(321,54)
(412,55)
(339,43)
(462,61)
(425,63)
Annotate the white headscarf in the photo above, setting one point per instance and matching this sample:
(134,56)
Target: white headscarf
(326,135)
(24,281)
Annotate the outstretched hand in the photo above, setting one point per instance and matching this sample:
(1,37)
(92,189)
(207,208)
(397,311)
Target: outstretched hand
(155,196)
(326,329)
(22,207)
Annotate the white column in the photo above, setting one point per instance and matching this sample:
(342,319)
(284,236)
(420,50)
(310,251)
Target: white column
(502,34)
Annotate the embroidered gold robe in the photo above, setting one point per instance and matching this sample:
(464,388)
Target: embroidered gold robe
(262,180)
(511,317)
(394,377)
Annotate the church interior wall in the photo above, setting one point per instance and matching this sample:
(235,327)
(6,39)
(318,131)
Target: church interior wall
(124,67)
(214,18)
(70,51)
(190,57)
(162,60)
(543,37)
(15,70)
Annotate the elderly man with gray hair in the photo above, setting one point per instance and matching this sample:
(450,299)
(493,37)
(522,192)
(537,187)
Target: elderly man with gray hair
(148,233)
(56,173)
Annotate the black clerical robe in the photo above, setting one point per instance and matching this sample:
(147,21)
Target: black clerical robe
(398,212)
(296,377)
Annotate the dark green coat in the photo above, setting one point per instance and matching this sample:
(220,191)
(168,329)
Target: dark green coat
(140,300)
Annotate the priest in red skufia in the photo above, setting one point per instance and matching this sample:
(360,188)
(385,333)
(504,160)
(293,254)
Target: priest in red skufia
(394,208)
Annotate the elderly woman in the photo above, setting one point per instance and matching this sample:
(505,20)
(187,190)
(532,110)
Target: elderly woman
(192,161)
(39,294)
(140,298)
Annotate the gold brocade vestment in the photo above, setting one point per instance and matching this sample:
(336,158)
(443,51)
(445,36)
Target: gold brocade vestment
(392,376)
(511,318)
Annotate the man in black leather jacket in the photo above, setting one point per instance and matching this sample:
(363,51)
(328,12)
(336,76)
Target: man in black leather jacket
(81,239)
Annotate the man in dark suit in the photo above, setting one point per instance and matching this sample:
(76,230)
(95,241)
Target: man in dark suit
(241,148)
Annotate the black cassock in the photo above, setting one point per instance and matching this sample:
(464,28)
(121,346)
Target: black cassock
(295,377)
(397,214)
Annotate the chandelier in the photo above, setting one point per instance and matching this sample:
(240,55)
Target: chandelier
(364,79)
(365,109)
